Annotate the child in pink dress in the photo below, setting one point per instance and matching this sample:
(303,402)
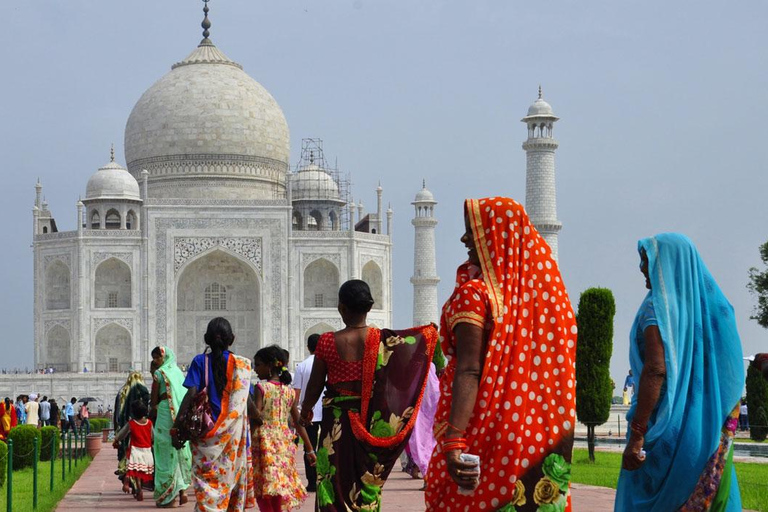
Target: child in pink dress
(141,463)
(276,481)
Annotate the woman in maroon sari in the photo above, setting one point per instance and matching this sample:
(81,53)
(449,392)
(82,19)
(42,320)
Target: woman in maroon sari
(375,382)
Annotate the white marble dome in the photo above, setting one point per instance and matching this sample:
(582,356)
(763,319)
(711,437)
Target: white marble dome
(540,108)
(424,196)
(113,182)
(314,183)
(208,120)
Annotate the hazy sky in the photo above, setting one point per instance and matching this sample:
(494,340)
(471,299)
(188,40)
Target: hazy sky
(662,108)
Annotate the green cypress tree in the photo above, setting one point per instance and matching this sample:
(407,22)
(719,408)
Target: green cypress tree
(593,357)
(757,404)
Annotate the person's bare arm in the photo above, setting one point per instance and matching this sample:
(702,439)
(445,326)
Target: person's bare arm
(652,379)
(308,453)
(121,434)
(314,389)
(470,352)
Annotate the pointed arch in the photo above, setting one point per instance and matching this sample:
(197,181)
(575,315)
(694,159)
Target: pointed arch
(217,283)
(372,275)
(112,219)
(131,221)
(57,350)
(57,286)
(95,219)
(113,348)
(321,284)
(112,284)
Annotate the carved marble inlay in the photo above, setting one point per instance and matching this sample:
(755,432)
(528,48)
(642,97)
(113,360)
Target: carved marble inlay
(334,322)
(49,258)
(307,258)
(126,257)
(98,323)
(189,247)
(272,276)
(64,322)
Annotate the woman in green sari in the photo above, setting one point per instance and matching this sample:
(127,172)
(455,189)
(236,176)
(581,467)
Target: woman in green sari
(173,467)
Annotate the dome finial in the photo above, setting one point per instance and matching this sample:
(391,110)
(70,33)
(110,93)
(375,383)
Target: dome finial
(112,152)
(423,183)
(311,156)
(539,91)
(206,24)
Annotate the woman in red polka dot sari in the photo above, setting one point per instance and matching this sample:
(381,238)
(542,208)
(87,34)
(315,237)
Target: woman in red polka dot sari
(508,391)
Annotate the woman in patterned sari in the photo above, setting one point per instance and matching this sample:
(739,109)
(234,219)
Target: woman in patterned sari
(508,392)
(172,467)
(219,458)
(687,352)
(376,379)
(7,418)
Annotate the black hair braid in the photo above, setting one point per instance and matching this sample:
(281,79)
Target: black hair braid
(277,359)
(219,337)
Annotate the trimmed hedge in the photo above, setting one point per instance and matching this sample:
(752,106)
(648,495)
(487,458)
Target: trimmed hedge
(23,445)
(99,424)
(3,462)
(50,443)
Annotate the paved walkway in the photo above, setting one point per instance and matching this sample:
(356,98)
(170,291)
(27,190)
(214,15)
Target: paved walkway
(99,489)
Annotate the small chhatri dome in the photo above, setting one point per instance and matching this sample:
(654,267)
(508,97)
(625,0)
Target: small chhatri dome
(424,195)
(314,183)
(540,108)
(113,182)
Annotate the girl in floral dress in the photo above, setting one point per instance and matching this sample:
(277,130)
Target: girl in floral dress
(276,481)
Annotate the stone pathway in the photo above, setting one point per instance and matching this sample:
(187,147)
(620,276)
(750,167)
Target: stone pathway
(99,489)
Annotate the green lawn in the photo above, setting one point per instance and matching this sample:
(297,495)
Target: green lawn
(753,478)
(46,500)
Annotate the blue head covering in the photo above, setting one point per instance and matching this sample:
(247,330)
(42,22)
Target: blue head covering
(704,377)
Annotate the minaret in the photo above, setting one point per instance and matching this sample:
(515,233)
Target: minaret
(424,278)
(540,192)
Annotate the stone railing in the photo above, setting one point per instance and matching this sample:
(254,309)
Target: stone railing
(358,235)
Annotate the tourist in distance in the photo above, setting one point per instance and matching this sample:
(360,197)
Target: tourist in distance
(21,412)
(173,468)
(32,408)
(45,412)
(7,418)
(276,481)
(370,403)
(54,414)
(685,347)
(300,382)
(140,467)
(70,413)
(85,419)
(134,390)
(508,391)
(220,457)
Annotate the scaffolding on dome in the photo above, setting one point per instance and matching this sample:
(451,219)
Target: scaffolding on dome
(313,157)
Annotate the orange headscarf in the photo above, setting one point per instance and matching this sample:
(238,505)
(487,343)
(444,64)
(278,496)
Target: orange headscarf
(525,407)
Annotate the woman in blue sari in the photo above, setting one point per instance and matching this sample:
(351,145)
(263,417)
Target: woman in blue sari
(687,352)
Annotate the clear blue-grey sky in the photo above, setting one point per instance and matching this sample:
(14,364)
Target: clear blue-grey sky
(662,107)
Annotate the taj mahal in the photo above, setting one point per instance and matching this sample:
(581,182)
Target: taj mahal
(209,217)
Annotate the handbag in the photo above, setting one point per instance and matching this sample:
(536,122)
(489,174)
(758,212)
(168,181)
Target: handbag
(198,419)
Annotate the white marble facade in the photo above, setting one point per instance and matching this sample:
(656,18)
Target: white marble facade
(200,223)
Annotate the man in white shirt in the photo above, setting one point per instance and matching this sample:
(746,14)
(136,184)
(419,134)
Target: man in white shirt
(300,381)
(31,408)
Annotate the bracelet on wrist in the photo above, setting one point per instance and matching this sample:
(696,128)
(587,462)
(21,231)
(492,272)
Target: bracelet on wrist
(638,428)
(311,452)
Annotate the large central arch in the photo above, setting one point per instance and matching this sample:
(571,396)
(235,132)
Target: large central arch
(217,283)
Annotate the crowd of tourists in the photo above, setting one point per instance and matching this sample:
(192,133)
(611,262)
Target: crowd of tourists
(483,409)
(41,412)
